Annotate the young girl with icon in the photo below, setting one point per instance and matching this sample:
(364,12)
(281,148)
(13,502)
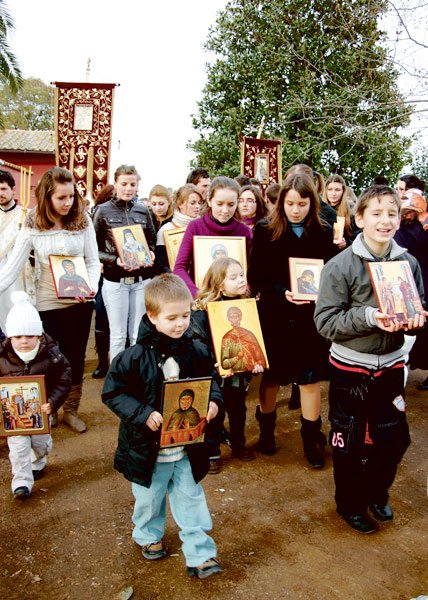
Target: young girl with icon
(295,350)
(123,286)
(336,197)
(218,220)
(226,280)
(188,203)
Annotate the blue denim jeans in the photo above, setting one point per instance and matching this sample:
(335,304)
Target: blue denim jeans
(188,507)
(125,306)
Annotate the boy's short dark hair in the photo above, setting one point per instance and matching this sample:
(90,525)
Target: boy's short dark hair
(6,177)
(165,288)
(375,191)
(380,180)
(197,174)
(243,180)
(272,192)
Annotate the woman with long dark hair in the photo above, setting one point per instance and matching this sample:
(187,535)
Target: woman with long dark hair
(59,225)
(295,349)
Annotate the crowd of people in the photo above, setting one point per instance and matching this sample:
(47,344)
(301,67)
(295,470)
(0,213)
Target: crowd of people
(151,327)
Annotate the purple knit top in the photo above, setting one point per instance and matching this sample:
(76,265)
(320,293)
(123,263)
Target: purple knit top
(204,226)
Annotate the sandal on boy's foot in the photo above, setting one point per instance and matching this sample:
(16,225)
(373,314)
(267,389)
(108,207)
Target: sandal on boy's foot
(208,568)
(215,466)
(153,551)
(21,493)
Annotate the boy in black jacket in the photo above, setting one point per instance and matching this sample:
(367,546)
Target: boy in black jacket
(132,390)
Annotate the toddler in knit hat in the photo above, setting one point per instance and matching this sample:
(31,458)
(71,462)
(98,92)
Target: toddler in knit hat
(27,351)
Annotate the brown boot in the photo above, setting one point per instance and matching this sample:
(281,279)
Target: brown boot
(71,406)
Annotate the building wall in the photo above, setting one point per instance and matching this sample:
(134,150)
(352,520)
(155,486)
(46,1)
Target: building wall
(38,161)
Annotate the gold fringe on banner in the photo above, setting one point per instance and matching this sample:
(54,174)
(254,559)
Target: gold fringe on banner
(90,174)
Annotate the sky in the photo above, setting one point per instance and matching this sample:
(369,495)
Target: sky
(154,50)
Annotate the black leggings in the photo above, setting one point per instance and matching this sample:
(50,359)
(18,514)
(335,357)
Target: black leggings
(70,327)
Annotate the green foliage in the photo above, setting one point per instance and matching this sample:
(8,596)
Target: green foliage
(10,73)
(420,163)
(318,73)
(31,108)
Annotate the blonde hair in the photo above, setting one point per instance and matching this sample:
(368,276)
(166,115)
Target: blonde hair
(161,190)
(211,290)
(182,195)
(163,289)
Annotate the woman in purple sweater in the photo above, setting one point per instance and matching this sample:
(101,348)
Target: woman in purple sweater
(218,220)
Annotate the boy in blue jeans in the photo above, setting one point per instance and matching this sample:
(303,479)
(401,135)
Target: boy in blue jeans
(369,432)
(132,390)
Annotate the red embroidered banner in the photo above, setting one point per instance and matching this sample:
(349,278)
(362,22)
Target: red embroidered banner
(83,123)
(262,159)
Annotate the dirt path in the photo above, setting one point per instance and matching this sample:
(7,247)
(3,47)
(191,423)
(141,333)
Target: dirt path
(274,522)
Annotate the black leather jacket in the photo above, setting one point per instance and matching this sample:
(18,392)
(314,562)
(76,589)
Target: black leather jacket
(117,213)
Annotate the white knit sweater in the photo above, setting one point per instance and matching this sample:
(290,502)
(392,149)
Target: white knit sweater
(53,241)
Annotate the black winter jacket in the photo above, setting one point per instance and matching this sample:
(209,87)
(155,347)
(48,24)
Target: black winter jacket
(292,342)
(132,390)
(49,362)
(118,213)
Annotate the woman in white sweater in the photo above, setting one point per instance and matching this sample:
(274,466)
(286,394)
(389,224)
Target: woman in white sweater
(59,226)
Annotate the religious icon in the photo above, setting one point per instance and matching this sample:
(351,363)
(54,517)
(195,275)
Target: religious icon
(261,167)
(173,239)
(21,399)
(184,410)
(132,246)
(83,117)
(206,249)
(70,276)
(237,336)
(395,289)
(305,277)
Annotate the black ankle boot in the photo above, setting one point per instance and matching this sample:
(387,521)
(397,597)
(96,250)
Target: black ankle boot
(267,422)
(314,442)
(294,402)
(102,340)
